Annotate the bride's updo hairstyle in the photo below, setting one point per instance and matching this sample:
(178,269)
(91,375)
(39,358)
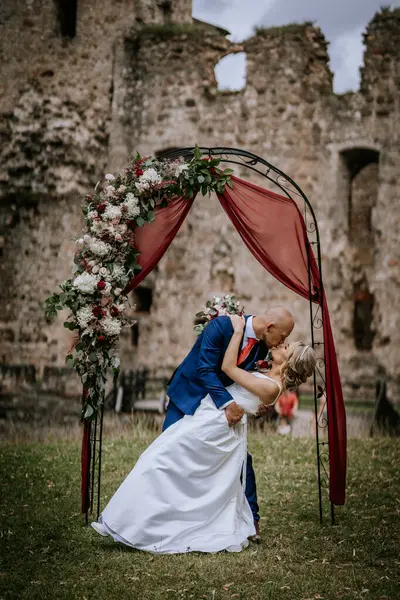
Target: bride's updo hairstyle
(298,367)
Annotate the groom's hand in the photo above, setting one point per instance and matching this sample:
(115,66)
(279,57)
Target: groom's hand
(233,413)
(264,410)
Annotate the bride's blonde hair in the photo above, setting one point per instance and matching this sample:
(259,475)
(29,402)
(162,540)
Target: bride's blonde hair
(298,367)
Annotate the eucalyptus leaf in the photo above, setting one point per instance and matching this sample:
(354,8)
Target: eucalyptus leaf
(88,412)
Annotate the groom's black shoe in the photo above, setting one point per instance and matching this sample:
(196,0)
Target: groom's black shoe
(257,537)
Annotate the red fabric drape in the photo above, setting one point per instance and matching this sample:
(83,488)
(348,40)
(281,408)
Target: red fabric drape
(273,229)
(153,239)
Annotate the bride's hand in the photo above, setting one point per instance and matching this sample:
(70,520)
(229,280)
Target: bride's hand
(238,323)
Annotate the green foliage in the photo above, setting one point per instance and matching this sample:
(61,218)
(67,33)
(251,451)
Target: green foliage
(291,29)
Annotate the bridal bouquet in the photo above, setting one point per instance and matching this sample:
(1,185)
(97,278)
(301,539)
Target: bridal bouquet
(106,258)
(217,307)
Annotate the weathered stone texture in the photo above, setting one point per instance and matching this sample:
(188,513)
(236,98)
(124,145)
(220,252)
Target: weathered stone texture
(140,76)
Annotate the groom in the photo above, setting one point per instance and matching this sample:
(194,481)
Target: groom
(200,373)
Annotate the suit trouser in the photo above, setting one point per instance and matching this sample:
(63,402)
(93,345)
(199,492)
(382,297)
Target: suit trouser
(174,414)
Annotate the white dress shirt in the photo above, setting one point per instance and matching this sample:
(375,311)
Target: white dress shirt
(248,333)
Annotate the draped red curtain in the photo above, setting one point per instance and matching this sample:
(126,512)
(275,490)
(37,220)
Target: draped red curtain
(153,239)
(274,231)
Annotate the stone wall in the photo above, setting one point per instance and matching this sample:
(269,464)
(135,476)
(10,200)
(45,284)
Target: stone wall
(140,75)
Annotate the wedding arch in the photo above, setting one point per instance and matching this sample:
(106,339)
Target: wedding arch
(132,219)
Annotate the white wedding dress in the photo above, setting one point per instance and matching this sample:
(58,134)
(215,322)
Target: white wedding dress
(185,492)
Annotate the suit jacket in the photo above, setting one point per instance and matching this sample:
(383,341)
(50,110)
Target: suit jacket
(200,372)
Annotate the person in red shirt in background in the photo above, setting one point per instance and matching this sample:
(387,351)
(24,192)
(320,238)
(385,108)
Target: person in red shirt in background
(286,406)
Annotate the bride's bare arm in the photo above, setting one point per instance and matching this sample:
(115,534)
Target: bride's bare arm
(263,388)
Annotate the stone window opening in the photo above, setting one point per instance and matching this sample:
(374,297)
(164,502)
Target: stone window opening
(166,10)
(361,177)
(143,299)
(231,72)
(362,188)
(362,318)
(135,334)
(67,15)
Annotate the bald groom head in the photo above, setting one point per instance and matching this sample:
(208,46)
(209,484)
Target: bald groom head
(274,326)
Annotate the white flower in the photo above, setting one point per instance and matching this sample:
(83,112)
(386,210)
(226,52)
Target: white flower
(150,175)
(134,211)
(118,237)
(111,326)
(86,238)
(84,315)
(117,291)
(95,269)
(92,263)
(110,177)
(112,212)
(132,205)
(99,248)
(85,283)
(103,271)
(121,189)
(93,214)
(106,290)
(80,241)
(98,227)
(180,169)
(110,190)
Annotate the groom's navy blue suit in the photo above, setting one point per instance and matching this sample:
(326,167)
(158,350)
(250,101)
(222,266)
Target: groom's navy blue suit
(200,374)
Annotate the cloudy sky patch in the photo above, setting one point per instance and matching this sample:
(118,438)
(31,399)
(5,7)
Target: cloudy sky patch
(342,22)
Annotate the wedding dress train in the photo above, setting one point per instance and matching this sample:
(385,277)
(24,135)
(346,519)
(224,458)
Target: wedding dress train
(185,492)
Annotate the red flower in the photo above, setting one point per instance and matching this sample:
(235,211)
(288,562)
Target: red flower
(262,365)
(98,311)
(131,224)
(206,158)
(85,392)
(114,311)
(139,172)
(101,207)
(101,285)
(100,338)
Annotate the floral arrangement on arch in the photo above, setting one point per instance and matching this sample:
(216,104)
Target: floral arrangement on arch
(107,258)
(218,307)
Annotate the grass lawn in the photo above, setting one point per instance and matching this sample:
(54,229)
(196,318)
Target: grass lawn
(47,553)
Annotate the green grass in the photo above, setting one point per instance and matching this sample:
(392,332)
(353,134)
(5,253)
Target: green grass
(49,554)
(282,30)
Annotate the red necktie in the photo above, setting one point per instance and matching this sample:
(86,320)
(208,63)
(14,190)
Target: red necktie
(246,350)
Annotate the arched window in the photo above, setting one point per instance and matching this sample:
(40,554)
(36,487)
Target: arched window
(361,174)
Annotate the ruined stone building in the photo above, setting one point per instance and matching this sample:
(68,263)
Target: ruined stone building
(86,83)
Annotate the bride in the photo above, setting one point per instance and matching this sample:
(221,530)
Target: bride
(185,492)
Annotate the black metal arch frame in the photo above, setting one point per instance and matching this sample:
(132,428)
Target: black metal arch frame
(289,188)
